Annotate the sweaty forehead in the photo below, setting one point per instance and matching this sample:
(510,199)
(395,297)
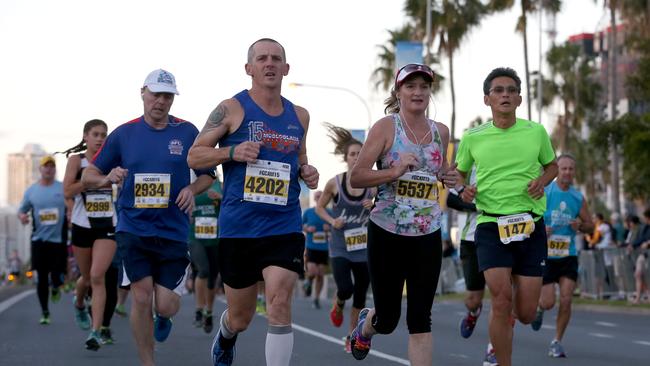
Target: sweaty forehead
(566,163)
(267,48)
(503,81)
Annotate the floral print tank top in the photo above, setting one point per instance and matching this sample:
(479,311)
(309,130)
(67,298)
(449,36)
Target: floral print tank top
(409,206)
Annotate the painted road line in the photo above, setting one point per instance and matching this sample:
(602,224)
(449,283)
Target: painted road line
(643,343)
(606,324)
(601,335)
(340,342)
(14,299)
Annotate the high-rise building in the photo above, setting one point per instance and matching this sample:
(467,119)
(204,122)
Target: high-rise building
(22,171)
(13,235)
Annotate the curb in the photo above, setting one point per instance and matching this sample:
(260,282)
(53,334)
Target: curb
(631,310)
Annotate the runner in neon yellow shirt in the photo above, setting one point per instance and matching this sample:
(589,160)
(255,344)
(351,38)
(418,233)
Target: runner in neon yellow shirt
(514,162)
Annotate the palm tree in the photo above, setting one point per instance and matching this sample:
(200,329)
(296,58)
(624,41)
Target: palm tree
(451,20)
(613,50)
(527,6)
(384,74)
(573,83)
(456,21)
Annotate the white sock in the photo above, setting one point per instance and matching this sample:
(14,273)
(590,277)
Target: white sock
(489,347)
(225,331)
(279,345)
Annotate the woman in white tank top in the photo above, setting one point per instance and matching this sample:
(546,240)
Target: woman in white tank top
(93,228)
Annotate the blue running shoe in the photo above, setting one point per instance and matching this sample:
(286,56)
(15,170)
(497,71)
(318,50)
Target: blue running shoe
(161,328)
(81,316)
(222,356)
(467,325)
(490,359)
(539,319)
(360,345)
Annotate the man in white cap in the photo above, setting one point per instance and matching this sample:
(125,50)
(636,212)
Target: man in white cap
(148,155)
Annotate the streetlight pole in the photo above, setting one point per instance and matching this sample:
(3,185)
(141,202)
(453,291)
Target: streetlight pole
(365,104)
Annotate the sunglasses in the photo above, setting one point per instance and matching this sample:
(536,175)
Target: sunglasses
(409,69)
(500,90)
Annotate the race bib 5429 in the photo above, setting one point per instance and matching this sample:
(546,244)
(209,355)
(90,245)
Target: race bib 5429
(48,216)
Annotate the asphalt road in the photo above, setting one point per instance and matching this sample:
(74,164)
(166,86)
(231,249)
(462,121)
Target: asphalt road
(593,339)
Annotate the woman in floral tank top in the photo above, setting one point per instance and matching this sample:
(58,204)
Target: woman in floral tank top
(404,243)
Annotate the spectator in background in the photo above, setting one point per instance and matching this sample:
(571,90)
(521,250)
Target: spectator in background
(640,247)
(602,236)
(618,229)
(601,240)
(15,265)
(632,226)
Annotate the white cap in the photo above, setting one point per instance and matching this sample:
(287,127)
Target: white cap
(161,81)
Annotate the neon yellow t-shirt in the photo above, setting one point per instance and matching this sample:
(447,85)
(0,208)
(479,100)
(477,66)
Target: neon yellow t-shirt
(506,161)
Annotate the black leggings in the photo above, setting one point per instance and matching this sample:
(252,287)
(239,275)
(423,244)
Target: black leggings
(43,285)
(393,259)
(110,281)
(49,260)
(343,271)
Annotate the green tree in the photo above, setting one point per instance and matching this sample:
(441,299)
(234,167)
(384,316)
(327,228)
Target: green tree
(451,21)
(527,7)
(632,132)
(384,75)
(573,84)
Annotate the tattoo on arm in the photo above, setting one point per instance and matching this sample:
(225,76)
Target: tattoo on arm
(215,119)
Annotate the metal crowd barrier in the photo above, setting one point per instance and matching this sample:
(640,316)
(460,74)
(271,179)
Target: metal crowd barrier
(601,273)
(451,276)
(608,272)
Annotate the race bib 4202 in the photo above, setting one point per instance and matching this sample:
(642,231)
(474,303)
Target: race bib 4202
(267,182)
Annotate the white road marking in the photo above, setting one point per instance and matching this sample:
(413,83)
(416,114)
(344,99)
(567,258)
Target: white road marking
(459,355)
(339,341)
(601,335)
(607,324)
(551,327)
(14,299)
(643,343)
